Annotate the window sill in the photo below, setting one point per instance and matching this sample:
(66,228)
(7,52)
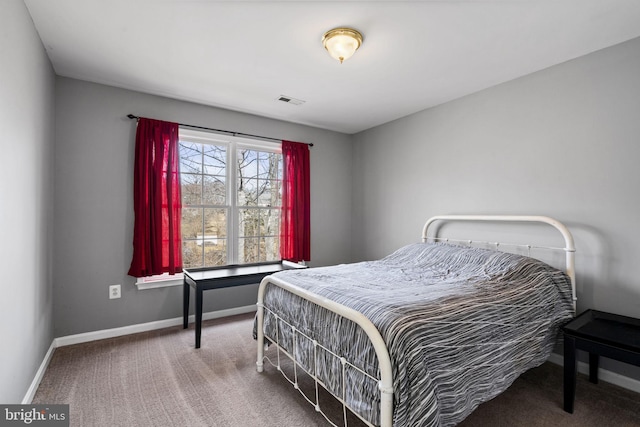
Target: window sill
(164,281)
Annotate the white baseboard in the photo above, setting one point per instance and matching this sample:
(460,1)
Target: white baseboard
(39,374)
(117,332)
(143,327)
(603,374)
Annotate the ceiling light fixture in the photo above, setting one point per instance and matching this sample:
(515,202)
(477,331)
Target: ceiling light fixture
(342,43)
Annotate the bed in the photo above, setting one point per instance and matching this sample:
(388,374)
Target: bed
(422,336)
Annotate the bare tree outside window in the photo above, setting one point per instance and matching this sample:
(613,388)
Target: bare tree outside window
(205,179)
(259,201)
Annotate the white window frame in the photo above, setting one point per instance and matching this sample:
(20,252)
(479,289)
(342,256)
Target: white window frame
(232,144)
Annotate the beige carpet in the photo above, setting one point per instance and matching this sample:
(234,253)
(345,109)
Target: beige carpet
(158,378)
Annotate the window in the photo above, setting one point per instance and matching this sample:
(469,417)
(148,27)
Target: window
(231,199)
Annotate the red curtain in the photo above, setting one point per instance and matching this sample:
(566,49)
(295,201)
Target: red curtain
(295,229)
(157,241)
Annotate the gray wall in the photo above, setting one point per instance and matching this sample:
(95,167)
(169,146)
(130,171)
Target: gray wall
(94,202)
(26,216)
(563,142)
(560,142)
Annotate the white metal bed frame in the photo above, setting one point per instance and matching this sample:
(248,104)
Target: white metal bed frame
(385,382)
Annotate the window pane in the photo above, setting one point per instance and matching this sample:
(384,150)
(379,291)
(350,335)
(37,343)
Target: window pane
(248,250)
(215,191)
(191,186)
(214,160)
(248,222)
(192,254)
(215,255)
(248,163)
(268,193)
(265,169)
(269,165)
(190,157)
(215,224)
(269,249)
(191,223)
(277,192)
(247,192)
(270,222)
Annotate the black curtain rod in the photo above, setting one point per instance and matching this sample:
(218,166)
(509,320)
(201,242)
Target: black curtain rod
(131,116)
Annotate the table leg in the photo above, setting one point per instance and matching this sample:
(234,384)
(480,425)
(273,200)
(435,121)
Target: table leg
(594,360)
(570,371)
(185,305)
(198,316)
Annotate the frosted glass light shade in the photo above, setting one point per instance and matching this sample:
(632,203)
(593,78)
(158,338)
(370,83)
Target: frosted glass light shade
(342,43)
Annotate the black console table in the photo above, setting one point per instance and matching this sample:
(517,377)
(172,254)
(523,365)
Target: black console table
(601,334)
(204,279)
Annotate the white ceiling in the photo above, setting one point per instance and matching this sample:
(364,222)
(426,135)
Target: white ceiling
(242,55)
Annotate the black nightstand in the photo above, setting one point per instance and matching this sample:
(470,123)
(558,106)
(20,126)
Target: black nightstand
(601,334)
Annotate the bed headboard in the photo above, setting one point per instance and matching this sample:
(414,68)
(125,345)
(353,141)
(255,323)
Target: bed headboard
(569,246)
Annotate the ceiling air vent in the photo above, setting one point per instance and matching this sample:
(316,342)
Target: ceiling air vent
(290,100)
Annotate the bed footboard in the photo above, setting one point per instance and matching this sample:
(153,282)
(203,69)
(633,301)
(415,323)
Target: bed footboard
(385,383)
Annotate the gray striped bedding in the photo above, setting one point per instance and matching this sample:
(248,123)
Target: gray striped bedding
(461,324)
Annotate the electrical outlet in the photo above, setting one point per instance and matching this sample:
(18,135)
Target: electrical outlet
(114,291)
